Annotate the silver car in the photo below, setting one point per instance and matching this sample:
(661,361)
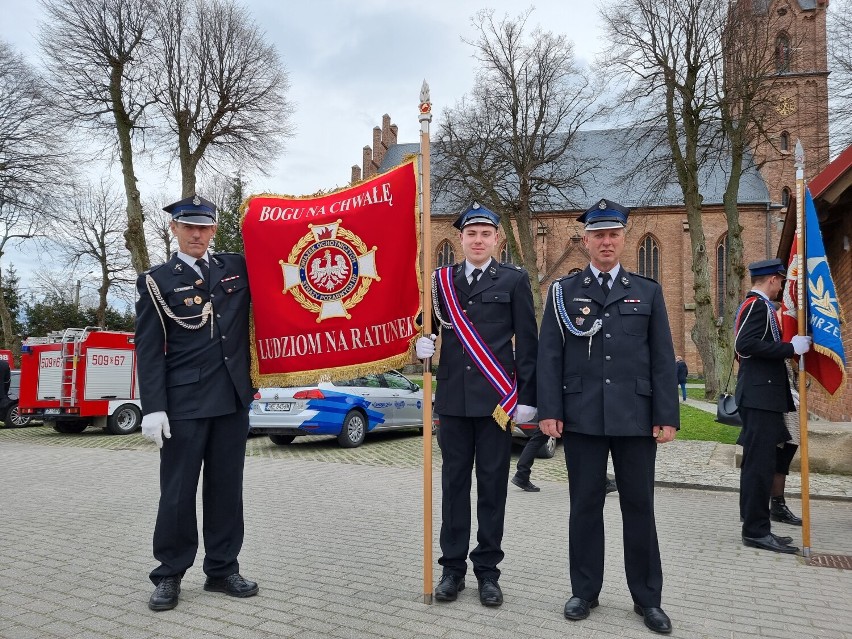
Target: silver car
(347,409)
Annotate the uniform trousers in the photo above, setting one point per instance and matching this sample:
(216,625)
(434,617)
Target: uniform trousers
(762,431)
(633,459)
(218,444)
(464,440)
(528,454)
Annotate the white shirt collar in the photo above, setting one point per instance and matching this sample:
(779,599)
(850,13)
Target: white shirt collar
(468,268)
(613,273)
(191,260)
(762,294)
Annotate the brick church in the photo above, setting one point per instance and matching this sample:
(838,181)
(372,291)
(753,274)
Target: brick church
(658,243)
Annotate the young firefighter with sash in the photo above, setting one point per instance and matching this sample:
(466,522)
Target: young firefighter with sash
(484,382)
(606,384)
(763,396)
(192,349)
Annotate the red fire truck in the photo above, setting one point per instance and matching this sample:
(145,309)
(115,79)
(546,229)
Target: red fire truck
(79,377)
(7,356)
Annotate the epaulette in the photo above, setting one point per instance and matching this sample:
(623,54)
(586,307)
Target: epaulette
(568,277)
(226,253)
(644,277)
(153,268)
(511,266)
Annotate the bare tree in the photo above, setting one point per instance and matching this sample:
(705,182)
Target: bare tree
(89,237)
(99,57)
(699,74)
(509,144)
(840,62)
(223,87)
(31,158)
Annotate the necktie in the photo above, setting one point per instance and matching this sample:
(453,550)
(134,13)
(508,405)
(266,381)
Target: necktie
(205,272)
(605,283)
(474,277)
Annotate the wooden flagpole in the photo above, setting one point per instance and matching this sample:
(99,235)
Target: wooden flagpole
(425,118)
(801,283)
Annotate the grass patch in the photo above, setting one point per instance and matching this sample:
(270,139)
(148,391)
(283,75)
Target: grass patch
(700,425)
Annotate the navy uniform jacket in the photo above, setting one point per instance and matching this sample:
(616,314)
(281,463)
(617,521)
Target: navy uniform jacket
(762,379)
(626,385)
(500,306)
(184,372)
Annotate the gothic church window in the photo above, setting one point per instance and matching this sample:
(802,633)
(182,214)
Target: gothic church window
(446,255)
(649,258)
(785,196)
(782,53)
(784,141)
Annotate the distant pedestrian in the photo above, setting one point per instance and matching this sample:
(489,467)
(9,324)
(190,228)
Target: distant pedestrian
(682,372)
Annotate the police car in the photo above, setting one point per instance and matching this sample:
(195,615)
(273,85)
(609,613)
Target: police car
(348,410)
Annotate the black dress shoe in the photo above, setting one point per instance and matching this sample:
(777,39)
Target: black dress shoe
(525,484)
(576,608)
(234,585)
(778,511)
(165,596)
(655,619)
(449,587)
(769,542)
(782,540)
(611,486)
(489,592)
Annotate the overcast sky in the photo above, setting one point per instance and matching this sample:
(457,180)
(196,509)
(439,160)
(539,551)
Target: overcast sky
(349,62)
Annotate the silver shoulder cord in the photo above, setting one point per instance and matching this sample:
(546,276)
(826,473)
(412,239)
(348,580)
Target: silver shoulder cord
(162,306)
(436,304)
(740,330)
(562,317)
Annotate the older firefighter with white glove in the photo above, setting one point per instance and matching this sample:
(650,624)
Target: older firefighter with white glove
(192,348)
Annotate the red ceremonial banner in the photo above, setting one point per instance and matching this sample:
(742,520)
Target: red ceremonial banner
(334,280)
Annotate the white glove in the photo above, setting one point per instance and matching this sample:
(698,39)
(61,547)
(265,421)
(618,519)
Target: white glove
(425,346)
(155,426)
(801,344)
(524,414)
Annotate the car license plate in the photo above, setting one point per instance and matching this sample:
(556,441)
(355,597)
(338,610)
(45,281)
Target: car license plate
(52,411)
(279,407)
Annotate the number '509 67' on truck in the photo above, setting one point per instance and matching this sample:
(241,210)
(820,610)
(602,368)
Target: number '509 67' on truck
(81,377)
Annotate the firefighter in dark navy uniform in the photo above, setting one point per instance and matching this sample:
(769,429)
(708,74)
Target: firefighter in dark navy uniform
(605,384)
(475,412)
(192,349)
(763,396)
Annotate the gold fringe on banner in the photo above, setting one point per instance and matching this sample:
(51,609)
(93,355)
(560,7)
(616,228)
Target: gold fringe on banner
(502,417)
(311,377)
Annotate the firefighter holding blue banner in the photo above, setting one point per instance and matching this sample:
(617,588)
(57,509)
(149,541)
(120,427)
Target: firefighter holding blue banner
(484,382)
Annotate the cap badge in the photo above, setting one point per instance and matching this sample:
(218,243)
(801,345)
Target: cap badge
(602,205)
(196,200)
(475,205)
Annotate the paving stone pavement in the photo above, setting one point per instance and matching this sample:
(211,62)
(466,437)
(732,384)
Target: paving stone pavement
(336,548)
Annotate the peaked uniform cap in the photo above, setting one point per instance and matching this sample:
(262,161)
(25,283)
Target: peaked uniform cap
(477,214)
(605,214)
(767,267)
(193,210)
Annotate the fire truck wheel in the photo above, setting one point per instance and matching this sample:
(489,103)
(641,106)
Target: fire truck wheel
(14,419)
(282,440)
(68,427)
(126,419)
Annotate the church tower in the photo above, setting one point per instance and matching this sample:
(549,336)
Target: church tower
(799,77)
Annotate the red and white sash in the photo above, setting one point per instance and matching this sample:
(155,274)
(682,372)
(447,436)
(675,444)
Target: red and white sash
(482,356)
